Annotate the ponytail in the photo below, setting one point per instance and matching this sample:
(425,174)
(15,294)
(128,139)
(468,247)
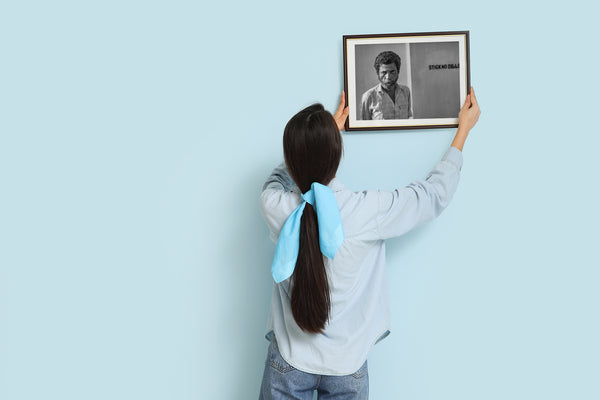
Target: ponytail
(310,288)
(312,146)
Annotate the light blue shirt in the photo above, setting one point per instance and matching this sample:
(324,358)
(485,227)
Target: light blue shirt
(359,315)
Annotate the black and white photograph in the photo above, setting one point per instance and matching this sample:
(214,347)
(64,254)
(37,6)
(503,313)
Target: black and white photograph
(405,80)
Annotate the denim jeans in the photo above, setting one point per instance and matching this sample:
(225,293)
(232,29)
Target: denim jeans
(281,381)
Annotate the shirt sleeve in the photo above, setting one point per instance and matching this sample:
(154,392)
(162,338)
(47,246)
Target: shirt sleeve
(279,179)
(403,209)
(280,196)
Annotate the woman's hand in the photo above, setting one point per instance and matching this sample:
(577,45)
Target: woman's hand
(341,114)
(467,118)
(469,113)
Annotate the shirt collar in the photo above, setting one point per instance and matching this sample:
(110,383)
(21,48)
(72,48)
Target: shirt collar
(336,185)
(380,88)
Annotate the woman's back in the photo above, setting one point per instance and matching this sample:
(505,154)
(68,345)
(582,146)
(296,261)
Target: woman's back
(359,315)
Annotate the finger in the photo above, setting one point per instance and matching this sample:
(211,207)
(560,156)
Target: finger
(473,98)
(345,115)
(341,120)
(467,104)
(341,106)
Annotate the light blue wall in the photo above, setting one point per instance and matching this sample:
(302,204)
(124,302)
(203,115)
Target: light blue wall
(134,140)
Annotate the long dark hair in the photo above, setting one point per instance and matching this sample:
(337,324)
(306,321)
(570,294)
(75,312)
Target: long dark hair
(312,146)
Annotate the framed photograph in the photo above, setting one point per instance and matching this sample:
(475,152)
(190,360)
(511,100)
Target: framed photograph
(406,80)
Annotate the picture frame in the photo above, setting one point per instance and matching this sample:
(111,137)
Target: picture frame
(425,92)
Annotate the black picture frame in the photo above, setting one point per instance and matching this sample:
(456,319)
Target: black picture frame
(432,84)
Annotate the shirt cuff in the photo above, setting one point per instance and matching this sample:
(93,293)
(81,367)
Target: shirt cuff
(454,156)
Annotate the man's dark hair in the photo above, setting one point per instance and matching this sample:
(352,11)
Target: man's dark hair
(387,57)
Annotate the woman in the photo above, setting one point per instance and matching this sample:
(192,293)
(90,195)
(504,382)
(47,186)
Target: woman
(330,303)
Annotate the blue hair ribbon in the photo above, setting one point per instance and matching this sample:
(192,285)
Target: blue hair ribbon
(331,234)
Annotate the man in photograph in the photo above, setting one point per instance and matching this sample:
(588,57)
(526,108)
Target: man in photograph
(387,100)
